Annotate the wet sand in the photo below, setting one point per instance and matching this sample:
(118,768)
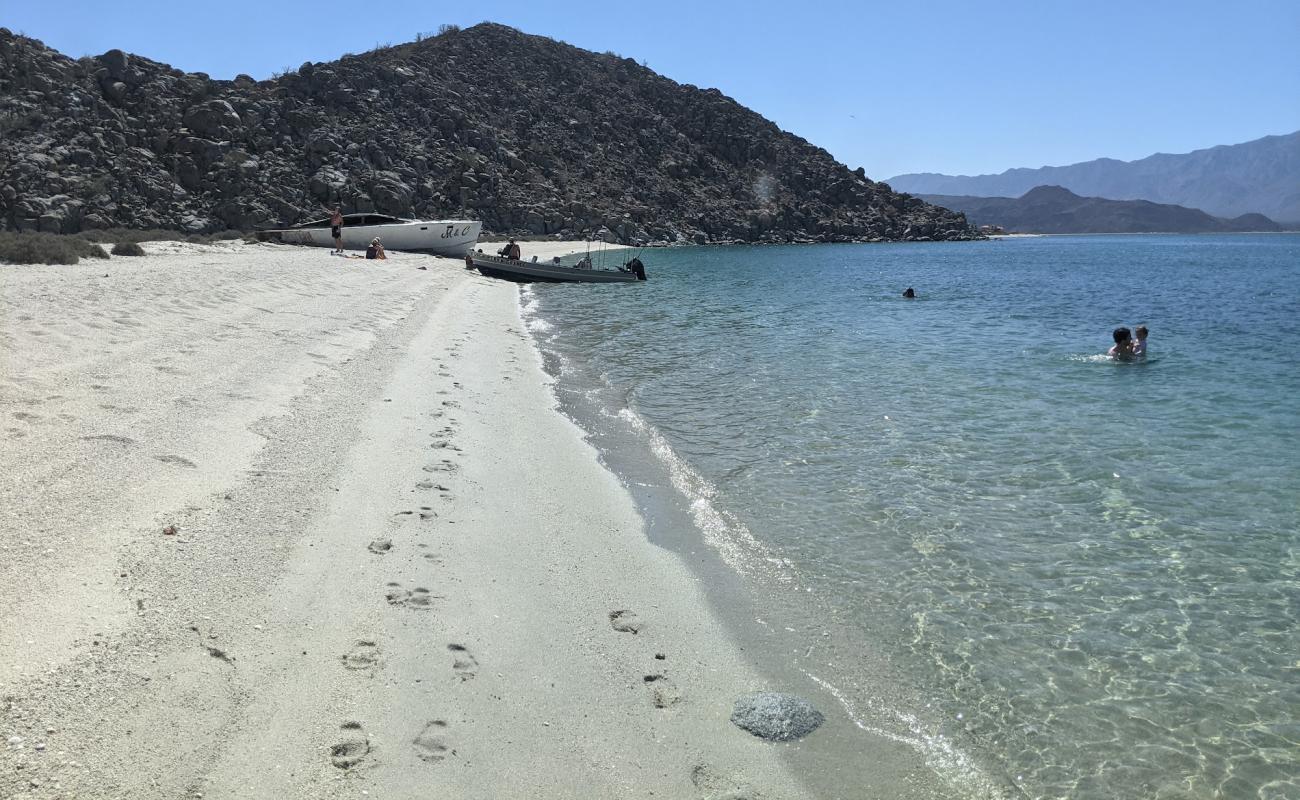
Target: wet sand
(278,524)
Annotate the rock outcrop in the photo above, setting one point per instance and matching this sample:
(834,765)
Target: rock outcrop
(530,135)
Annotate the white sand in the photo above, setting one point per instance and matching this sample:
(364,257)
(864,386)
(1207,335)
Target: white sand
(283,408)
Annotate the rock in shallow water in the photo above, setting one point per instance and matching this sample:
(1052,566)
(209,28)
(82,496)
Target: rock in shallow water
(776,717)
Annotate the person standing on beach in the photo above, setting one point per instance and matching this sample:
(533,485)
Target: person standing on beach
(336,227)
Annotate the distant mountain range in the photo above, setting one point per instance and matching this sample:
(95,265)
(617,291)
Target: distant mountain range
(1260,177)
(1053,209)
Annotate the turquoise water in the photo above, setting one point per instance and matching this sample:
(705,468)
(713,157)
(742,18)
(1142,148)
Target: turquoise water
(1091,569)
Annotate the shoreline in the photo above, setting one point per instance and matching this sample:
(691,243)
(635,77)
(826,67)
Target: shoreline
(364,591)
(395,560)
(880,738)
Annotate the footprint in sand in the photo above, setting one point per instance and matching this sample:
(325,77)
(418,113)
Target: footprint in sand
(432,558)
(417,598)
(380,546)
(425,512)
(441,466)
(624,621)
(463,662)
(178,461)
(363,656)
(663,692)
(108,437)
(26,416)
(711,783)
(119,409)
(432,744)
(352,748)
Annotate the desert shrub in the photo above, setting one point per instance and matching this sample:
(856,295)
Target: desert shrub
(156,235)
(448,27)
(91,250)
(46,248)
(127,249)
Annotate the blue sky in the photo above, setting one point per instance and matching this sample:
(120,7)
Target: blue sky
(894,86)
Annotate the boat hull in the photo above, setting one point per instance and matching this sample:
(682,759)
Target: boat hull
(452,238)
(538,272)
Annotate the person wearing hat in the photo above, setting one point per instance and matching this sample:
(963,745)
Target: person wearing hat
(375,250)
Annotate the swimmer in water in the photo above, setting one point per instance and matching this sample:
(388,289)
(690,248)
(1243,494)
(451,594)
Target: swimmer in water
(1123,349)
(1140,341)
(910,293)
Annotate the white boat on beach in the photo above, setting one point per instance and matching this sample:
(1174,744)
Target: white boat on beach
(444,237)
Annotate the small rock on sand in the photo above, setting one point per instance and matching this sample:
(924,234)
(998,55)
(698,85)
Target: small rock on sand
(776,717)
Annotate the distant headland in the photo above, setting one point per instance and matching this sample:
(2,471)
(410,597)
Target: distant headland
(1053,209)
(1257,177)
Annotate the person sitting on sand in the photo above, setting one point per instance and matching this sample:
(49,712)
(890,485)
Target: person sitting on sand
(910,293)
(336,227)
(1140,341)
(375,250)
(1123,349)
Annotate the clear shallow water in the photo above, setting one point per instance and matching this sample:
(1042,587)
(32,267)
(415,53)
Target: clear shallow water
(1091,569)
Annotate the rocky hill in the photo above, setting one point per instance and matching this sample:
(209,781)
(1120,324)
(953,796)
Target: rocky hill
(1261,177)
(530,135)
(1053,209)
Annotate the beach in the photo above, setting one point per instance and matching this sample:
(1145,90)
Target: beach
(277,524)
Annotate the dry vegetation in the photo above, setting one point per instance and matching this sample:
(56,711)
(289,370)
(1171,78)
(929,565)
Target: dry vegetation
(51,248)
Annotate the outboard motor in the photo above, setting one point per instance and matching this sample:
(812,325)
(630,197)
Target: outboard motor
(637,268)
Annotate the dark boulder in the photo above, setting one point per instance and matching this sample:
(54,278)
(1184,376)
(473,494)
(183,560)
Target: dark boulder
(776,717)
(215,119)
(116,62)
